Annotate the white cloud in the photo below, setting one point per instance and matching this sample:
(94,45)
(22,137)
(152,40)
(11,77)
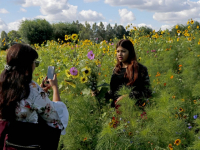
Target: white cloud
(126,16)
(60,10)
(177,17)
(156,5)
(3,25)
(164,27)
(143,25)
(23,10)
(89,15)
(88,1)
(68,15)
(168,11)
(46,6)
(10,26)
(3,11)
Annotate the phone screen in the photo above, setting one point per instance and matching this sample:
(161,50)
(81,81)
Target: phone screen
(51,71)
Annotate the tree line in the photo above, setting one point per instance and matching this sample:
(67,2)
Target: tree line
(39,30)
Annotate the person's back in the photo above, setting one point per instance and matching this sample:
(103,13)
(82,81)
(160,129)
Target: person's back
(24,103)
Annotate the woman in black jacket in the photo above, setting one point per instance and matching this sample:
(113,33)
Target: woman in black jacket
(130,73)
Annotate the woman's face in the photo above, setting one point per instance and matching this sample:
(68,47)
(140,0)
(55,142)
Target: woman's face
(122,54)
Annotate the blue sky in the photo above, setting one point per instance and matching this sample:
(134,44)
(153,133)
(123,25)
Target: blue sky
(153,13)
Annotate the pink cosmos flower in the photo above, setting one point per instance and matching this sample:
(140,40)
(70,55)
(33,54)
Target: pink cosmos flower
(153,50)
(73,71)
(90,55)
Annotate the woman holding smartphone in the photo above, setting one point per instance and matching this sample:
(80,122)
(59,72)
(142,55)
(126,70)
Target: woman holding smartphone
(22,99)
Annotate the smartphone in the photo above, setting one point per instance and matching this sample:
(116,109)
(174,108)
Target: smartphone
(50,72)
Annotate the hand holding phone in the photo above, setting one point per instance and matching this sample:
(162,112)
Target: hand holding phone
(51,76)
(50,72)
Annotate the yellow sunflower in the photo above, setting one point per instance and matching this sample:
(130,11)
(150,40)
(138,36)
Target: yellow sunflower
(181,109)
(176,26)
(170,146)
(76,76)
(178,31)
(68,74)
(192,21)
(84,79)
(74,37)
(67,37)
(189,39)
(177,142)
(86,71)
(85,139)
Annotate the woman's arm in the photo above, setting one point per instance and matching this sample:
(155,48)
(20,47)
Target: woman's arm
(142,90)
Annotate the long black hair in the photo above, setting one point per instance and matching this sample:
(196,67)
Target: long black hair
(14,82)
(132,69)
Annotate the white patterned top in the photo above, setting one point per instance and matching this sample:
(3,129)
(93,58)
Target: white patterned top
(54,113)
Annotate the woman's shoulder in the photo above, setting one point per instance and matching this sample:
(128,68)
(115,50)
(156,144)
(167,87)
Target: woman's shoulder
(35,87)
(142,67)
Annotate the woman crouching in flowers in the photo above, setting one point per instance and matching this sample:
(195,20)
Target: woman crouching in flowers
(128,72)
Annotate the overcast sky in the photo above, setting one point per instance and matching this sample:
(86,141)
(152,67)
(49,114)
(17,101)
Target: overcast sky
(153,13)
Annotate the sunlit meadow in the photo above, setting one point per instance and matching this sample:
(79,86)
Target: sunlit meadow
(172,113)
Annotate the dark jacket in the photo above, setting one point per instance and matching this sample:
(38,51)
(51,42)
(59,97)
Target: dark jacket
(140,88)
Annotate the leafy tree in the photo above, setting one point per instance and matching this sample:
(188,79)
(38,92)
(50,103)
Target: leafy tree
(86,32)
(95,28)
(146,30)
(35,31)
(13,36)
(101,31)
(109,32)
(3,41)
(120,31)
(61,29)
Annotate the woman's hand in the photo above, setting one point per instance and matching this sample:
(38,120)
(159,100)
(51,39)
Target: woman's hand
(45,87)
(120,98)
(53,82)
(94,93)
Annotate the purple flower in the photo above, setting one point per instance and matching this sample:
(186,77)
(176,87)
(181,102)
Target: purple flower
(189,127)
(147,51)
(153,50)
(195,116)
(99,65)
(112,44)
(128,122)
(90,55)
(73,71)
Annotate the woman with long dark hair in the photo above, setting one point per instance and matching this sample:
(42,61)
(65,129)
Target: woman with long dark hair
(22,99)
(130,73)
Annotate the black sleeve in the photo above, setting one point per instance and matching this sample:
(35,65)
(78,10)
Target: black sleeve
(142,89)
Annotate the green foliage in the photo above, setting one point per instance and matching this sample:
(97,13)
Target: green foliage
(35,31)
(3,41)
(13,36)
(61,29)
(170,118)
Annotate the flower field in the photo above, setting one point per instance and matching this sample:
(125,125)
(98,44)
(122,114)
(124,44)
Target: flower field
(171,119)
